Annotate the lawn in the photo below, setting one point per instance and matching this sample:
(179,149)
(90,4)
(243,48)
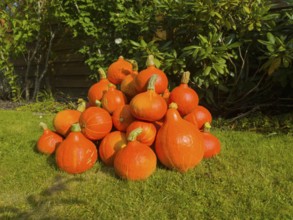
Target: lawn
(251,178)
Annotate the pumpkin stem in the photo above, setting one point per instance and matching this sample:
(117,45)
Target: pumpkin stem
(121,57)
(81,105)
(150,60)
(110,85)
(185,77)
(43,126)
(102,74)
(75,127)
(134,133)
(173,105)
(134,64)
(152,81)
(207,127)
(98,103)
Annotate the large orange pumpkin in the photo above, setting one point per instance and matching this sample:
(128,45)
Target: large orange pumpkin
(179,144)
(76,154)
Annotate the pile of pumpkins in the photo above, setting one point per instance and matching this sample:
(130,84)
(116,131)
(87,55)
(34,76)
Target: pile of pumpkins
(131,121)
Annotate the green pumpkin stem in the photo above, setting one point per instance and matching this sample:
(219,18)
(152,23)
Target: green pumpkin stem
(75,127)
(173,105)
(98,103)
(81,105)
(134,64)
(43,126)
(185,77)
(134,133)
(102,74)
(207,127)
(150,61)
(152,82)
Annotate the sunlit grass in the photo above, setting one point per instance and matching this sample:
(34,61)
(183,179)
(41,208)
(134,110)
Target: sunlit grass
(250,179)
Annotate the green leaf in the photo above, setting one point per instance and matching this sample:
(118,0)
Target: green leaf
(246,9)
(275,64)
(207,70)
(250,26)
(271,37)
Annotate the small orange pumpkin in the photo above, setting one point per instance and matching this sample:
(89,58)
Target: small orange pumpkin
(118,70)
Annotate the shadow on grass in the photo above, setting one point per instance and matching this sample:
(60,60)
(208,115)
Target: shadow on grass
(40,205)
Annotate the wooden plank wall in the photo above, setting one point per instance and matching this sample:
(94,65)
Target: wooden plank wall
(68,75)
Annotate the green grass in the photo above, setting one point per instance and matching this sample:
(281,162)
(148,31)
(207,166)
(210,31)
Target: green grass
(252,178)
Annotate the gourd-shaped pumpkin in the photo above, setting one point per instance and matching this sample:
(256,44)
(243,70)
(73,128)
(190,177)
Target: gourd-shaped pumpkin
(111,144)
(148,105)
(143,77)
(148,134)
(199,116)
(113,98)
(211,143)
(76,154)
(122,117)
(48,141)
(184,96)
(96,91)
(95,122)
(64,119)
(179,143)
(118,70)
(135,161)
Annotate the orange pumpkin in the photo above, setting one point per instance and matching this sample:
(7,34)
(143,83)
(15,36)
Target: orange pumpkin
(128,83)
(76,154)
(199,116)
(211,143)
(48,141)
(148,106)
(110,144)
(148,134)
(113,98)
(64,119)
(135,161)
(184,96)
(96,91)
(122,117)
(179,144)
(143,77)
(95,123)
(118,70)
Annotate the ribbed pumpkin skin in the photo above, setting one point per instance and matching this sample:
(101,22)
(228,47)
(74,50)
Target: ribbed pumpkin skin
(48,141)
(148,134)
(110,144)
(199,116)
(95,123)
(179,144)
(112,99)
(122,117)
(64,119)
(118,70)
(136,161)
(212,145)
(76,154)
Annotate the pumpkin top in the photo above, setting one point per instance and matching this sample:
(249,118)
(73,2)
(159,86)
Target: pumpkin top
(134,133)
(81,105)
(134,64)
(185,77)
(98,103)
(207,127)
(75,127)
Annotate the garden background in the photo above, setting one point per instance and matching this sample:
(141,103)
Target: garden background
(239,54)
